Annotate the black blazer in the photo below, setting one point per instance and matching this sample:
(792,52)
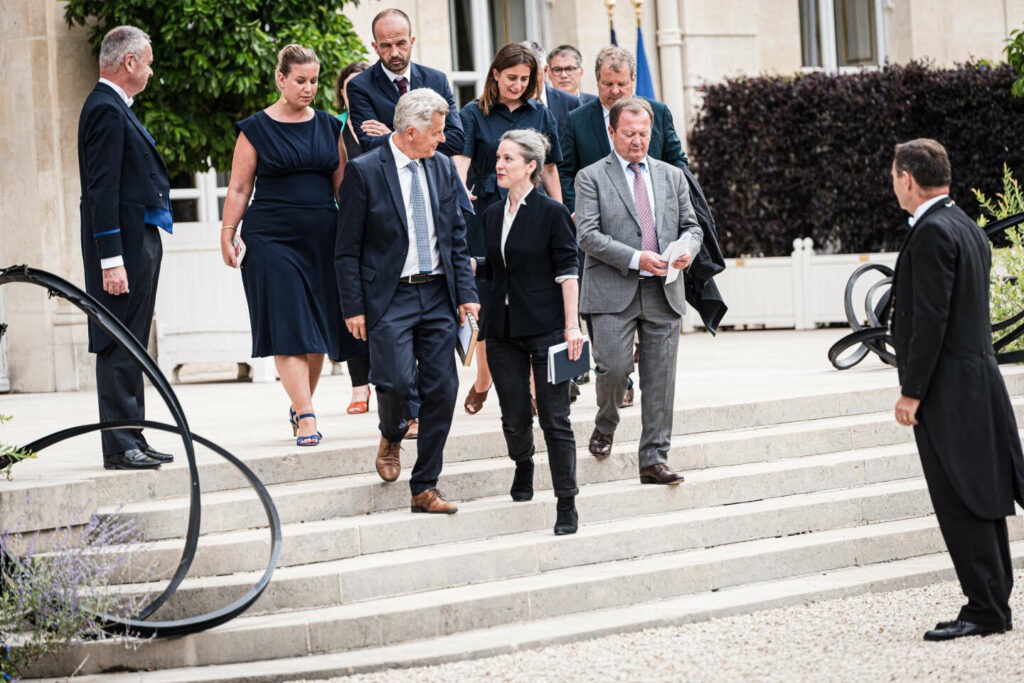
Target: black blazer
(541,246)
(121,173)
(372,95)
(944,357)
(373,237)
(560,103)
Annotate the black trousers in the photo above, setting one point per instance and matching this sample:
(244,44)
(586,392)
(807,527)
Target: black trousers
(359,368)
(119,386)
(980,548)
(412,350)
(510,359)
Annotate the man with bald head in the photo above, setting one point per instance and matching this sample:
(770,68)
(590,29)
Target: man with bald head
(373,94)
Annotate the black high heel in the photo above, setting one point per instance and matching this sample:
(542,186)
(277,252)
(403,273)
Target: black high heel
(522,483)
(567,520)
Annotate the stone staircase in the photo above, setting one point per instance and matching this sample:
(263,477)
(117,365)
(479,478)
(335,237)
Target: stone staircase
(785,501)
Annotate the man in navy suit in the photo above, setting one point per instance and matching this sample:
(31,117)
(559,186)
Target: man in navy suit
(565,70)
(373,94)
(125,201)
(560,103)
(406,283)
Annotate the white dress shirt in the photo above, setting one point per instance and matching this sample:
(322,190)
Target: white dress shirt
(607,119)
(405,74)
(115,261)
(412,260)
(506,225)
(645,176)
(924,207)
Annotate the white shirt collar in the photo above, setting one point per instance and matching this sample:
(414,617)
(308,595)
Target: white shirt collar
(119,90)
(394,77)
(625,164)
(522,201)
(924,207)
(401,160)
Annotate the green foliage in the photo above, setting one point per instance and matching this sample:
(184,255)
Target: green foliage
(11,455)
(1014,50)
(214,64)
(1007,278)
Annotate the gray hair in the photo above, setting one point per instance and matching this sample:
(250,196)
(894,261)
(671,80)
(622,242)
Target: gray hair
(417,107)
(538,52)
(615,57)
(119,43)
(634,105)
(533,146)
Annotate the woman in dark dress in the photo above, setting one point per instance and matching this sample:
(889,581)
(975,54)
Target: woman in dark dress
(358,365)
(295,155)
(507,103)
(532,305)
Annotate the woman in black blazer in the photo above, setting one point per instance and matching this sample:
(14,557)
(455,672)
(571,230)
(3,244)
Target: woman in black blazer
(532,303)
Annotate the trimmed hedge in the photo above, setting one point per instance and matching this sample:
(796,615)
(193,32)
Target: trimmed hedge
(810,155)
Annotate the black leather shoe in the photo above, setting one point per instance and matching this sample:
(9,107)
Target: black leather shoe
(157,455)
(574,391)
(567,520)
(659,474)
(948,630)
(522,483)
(132,459)
(601,444)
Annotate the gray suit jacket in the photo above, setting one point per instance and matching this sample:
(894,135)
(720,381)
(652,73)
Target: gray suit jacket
(608,229)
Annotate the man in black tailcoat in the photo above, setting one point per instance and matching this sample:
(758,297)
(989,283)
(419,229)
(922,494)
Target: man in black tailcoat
(952,392)
(125,201)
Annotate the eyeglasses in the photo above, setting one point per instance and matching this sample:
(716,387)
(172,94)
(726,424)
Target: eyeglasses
(559,70)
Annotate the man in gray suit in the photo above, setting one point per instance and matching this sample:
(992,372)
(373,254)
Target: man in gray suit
(629,209)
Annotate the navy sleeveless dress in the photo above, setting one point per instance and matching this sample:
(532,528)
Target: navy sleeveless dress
(289,231)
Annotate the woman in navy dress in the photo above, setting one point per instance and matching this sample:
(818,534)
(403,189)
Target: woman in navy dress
(295,157)
(507,103)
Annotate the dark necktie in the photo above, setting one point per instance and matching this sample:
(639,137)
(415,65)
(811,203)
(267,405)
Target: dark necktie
(403,85)
(649,236)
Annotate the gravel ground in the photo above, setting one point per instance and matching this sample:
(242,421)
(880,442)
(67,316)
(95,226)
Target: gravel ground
(874,637)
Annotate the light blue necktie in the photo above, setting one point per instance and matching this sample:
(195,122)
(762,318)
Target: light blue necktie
(419,221)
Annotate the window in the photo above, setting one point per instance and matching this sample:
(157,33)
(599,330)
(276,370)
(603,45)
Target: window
(199,197)
(842,33)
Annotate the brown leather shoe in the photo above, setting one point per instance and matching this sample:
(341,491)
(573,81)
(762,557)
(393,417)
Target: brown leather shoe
(659,474)
(601,444)
(432,502)
(389,460)
(627,399)
(414,429)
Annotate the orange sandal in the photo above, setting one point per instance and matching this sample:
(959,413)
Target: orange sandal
(360,407)
(475,400)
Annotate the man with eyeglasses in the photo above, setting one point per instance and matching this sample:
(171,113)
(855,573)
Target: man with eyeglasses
(564,71)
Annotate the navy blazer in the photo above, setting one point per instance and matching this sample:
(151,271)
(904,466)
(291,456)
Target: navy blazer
(372,96)
(121,173)
(373,234)
(560,103)
(541,246)
(586,97)
(585,142)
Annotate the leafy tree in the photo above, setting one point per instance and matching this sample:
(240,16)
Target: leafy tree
(214,64)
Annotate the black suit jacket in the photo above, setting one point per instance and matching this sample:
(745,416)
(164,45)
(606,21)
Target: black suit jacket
(373,236)
(561,104)
(372,95)
(121,174)
(541,246)
(586,97)
(944,356)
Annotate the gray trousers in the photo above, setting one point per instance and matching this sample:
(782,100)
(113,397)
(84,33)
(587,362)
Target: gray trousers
(650,317)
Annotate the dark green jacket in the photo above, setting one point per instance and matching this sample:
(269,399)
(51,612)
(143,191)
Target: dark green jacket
(584,141)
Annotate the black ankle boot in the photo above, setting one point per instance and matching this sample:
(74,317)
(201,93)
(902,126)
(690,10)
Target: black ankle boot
(522,483)
(567,520)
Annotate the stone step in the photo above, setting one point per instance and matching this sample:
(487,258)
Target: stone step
(380,575)
(556,593)
(526,635)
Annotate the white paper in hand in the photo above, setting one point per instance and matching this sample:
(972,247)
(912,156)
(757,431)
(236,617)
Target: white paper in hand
(676,250)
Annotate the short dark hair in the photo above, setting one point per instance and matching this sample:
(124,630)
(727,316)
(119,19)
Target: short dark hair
(636,105)
(353,68)
(926,160)
(566,50)
(390,12)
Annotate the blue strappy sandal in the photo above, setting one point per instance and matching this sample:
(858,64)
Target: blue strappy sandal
(312,439)
(293,421)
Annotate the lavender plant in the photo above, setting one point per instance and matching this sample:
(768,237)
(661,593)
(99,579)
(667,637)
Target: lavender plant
(50,598)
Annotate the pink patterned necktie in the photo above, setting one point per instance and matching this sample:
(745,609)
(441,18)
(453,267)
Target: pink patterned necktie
(649,236)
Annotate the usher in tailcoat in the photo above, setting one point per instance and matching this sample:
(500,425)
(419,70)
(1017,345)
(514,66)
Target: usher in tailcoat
(122,175)
(373,235)
(945,358)
(372,95)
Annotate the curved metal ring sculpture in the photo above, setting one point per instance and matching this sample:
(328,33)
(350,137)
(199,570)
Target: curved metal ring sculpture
(139,624)
(876,338)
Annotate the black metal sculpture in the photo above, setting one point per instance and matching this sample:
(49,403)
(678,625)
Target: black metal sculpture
(875,337)
(139,624)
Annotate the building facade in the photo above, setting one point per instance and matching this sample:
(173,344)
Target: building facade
(49,71)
